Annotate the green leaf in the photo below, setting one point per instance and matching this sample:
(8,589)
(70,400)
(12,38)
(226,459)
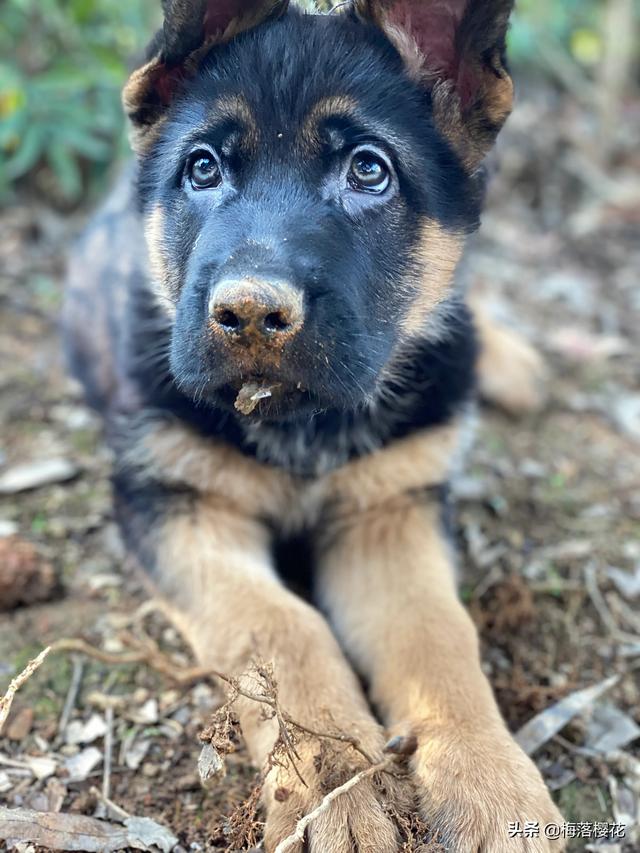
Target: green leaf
(27,154)
(65,169)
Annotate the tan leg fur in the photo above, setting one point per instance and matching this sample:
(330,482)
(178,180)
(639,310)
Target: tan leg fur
(512,375)
(231,606)
(386,577)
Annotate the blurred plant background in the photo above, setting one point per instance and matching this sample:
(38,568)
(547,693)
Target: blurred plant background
(63,63)
(549,509)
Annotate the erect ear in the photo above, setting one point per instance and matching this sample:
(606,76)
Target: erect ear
(190,28)
(457,49)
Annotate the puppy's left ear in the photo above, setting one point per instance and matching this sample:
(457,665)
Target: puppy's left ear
(190,29)
(456,48)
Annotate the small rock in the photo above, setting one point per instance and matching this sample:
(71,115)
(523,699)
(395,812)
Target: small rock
(579,345)
(628,583)
(532,469)
(80,732)
(469,488)
(570,286)
(103,580)
(136,753)
(41,767)
(79,766)
(203,697)
(188,782)
(146,714)
(20,726)
(56,792)
(33,475)
(25,576)
(8,527)
(5,782)
(182,715)
(625,411)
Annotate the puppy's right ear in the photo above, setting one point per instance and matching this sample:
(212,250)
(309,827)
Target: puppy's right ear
(190,29)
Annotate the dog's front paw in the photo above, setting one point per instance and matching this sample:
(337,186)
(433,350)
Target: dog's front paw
(357,821)
(477,788)
(512,375)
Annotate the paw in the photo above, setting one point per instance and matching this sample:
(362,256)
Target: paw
(512,375)
(473,786)
(358,821)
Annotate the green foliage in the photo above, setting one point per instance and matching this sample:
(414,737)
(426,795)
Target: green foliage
(62,67)
(574,25)
(63,62)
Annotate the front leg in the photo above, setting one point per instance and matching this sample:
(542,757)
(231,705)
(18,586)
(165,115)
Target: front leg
(386,578)
(213,564)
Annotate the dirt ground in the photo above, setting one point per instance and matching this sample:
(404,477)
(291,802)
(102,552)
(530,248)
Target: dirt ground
(548,514)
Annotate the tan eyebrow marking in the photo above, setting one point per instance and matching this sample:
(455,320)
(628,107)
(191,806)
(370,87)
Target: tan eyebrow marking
(237,108)
(332,106)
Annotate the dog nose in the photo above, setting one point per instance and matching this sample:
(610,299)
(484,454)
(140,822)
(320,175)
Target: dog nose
(246,309)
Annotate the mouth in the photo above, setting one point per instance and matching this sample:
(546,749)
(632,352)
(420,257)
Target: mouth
(251,393)
(266,398)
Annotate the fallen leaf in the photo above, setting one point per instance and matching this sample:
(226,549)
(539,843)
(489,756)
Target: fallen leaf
(610,729)
(549,722)
(211,767)
(69,832)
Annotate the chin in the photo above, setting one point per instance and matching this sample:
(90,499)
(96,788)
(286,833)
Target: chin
(275,400)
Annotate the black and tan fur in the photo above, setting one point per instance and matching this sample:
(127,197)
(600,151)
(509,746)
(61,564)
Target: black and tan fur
(373,384)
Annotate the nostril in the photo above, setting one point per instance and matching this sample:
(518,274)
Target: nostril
(230,321)
(276,322)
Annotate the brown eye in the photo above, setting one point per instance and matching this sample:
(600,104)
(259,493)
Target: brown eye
(204,172)
(369,173)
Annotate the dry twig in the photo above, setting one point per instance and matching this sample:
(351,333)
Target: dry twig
(72,694)
(598,601)
(108,753)
(17,682)
(148,654)
(154,659)
(301,827)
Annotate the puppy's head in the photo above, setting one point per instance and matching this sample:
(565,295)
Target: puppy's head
(307,183)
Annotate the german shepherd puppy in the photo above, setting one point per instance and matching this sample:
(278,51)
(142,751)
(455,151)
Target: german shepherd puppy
(267,317)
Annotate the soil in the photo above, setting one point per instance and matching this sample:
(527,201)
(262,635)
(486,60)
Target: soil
(548,510)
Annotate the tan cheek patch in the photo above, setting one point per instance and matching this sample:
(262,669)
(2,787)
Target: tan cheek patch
(437,254)
(165,278)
